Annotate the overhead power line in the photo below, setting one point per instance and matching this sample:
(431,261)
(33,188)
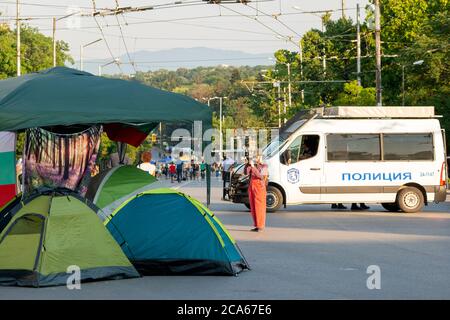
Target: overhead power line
(106,42)
(123,39)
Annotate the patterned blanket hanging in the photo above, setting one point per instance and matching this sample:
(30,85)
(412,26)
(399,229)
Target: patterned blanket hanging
(54,160)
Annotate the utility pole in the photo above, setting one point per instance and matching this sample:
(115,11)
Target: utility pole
(160,136)
(324,63)
(220,125)
(403,85)
(324,56)
(284,105)
(289,86)
(278,85)
(18,37)
(342,8)
(54,42)
(302,92)
(378,52)
(358,47)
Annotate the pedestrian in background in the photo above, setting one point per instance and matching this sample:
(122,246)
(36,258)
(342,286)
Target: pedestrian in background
(180,168)
(203,169)
(361,207)
(146,164)
(172,171)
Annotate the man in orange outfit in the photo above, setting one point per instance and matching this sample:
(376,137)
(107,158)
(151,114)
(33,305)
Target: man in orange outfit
(257,192)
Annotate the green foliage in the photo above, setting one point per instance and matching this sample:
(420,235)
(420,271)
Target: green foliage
(355,95)
(36,51)
(239,109)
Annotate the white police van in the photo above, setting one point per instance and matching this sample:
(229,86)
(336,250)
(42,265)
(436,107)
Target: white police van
(395,156)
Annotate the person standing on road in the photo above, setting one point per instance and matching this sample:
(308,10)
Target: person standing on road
(361,207)
(203,169)
(180,168)
(338,206)
(257,190)
(172,171)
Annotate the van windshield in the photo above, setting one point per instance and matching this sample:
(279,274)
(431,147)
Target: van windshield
(273,147)
(293,127)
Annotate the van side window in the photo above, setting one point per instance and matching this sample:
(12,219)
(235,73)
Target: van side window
(342,147)
(302,148)
(414,146)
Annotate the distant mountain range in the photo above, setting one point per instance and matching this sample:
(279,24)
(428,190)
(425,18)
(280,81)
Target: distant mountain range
(173,59)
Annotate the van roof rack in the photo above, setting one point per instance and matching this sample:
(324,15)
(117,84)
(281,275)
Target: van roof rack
(375,112)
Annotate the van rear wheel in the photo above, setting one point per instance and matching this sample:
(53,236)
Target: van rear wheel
(274,199)
(392,207)
(410,200)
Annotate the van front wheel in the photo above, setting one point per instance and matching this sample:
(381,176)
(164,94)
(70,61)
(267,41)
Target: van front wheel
(274,199)
(410,200)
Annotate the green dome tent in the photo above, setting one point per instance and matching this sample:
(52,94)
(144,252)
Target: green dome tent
(163,231)
(116,183)
(50,232)
(62,96)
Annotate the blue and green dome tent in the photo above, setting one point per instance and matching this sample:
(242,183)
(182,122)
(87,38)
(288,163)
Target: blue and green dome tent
(163,231)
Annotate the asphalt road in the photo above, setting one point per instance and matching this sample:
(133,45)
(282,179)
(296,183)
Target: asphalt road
(306,252)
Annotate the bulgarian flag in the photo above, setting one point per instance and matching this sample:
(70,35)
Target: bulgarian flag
(7,167)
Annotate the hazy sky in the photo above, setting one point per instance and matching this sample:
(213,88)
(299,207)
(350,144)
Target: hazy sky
(230,26)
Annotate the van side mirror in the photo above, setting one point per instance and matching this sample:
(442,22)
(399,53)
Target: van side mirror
(284,157)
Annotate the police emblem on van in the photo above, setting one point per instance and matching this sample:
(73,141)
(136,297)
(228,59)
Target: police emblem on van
(293,175)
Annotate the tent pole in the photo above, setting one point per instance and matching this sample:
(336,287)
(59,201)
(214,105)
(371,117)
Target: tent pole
(208,185)
(208,166)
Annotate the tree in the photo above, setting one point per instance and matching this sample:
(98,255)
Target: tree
(36,51)
(355,95)
(235,76)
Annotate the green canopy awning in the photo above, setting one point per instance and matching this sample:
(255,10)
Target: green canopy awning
(64,96)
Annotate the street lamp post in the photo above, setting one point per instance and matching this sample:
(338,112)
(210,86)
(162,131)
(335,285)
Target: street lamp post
(277,84)
(288,65)
(378,53)
(220,117)
(54,20)
(82,51)
(324,61)
(415,63)
(100,67)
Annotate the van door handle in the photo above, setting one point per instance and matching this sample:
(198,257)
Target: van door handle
(314,169)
